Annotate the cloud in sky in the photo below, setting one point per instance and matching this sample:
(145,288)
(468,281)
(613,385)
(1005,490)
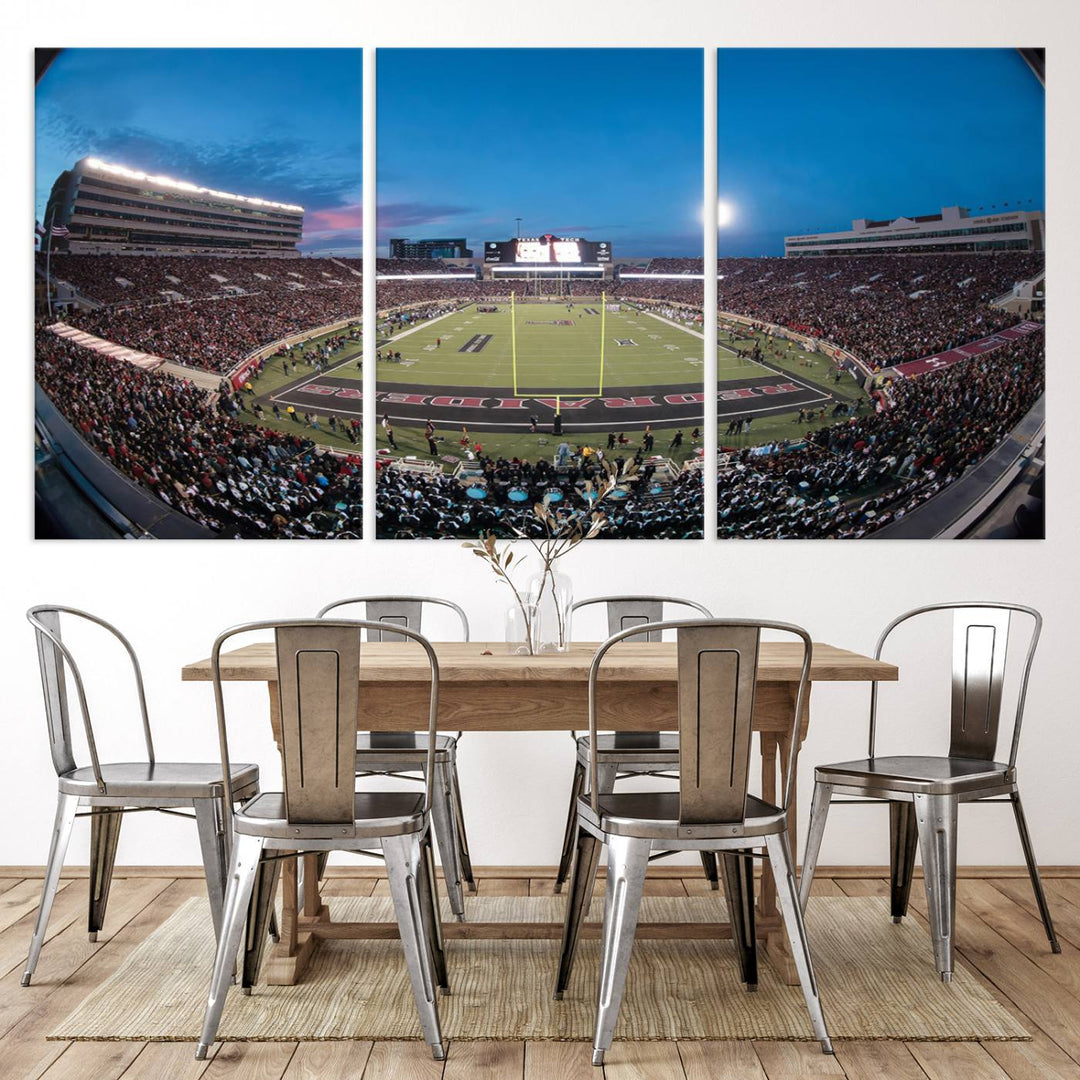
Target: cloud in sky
(214,117)
(445,137)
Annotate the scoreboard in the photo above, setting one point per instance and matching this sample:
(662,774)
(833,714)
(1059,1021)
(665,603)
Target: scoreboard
(547,250)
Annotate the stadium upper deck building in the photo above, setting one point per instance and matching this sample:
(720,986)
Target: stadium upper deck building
(951,230)
(110,208)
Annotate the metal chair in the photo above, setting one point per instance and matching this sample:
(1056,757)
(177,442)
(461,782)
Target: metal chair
(924,793)
(402,754)
(711,811)
(110,790)
(627,753)
(318,664)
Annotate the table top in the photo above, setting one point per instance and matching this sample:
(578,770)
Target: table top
(479,662)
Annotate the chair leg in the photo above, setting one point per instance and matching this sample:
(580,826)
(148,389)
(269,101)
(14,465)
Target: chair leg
(628,860)
(815,830)
(903,841)
(712,873)
(739,893)
(428,891)
(246,856)
(566,859)
(936,818)
(66,805)
(1033,871)
(606,775)
(787,897)
(582,880)
(442,821)
(464,858)
(214,855)
(104,836)
(259,913)
(403,869)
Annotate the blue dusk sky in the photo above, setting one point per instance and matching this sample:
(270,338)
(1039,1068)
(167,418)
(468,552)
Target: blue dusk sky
(600,143)
(810,139)
(280,124)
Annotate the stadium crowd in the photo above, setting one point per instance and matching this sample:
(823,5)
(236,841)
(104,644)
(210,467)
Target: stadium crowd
(195,455)
(856,476)
(886,308)
(202,456)
(411,505)
(216,334)
(137,279)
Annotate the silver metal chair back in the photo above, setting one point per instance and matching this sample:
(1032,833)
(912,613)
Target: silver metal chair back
(624,612)
(319,692)
(717,675)
(53,657)
(404,611)
(318,663)
(980,642)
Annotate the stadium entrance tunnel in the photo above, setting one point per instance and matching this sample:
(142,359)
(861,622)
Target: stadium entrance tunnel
(482,408)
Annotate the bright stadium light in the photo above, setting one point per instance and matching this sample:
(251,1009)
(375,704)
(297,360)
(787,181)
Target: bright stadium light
(182,185)
(725,213)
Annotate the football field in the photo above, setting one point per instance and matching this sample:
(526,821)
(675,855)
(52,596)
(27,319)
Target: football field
(546,348)
(513,381)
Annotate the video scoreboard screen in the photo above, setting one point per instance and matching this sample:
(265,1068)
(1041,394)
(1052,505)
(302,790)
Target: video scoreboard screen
(548,250)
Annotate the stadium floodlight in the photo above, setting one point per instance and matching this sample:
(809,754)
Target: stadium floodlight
(556,269)
(725,213)
(183,185)
(426,277)
(662,277)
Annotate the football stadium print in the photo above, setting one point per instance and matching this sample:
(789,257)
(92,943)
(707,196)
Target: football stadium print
(540,328)
(565,345)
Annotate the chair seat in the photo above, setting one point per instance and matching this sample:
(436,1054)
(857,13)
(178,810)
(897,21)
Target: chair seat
(401,746)
(633,748)
(655,815)
(375,813)
(921,775)
(163,779)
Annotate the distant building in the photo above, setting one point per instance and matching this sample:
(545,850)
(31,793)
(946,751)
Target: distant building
(430,249)
(952,230)
(108,207)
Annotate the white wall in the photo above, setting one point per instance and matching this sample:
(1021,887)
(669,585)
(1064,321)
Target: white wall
(173,598)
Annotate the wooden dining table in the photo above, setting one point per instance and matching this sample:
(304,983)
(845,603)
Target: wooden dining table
(485,687)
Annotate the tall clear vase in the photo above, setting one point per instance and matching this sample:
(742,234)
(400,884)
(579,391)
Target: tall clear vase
(553,595)
(522,629)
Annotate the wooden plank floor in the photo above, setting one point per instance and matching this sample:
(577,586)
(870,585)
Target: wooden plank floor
(998,935)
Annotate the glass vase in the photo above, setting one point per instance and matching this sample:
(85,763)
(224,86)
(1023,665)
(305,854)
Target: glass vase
(522,624)
(553,595)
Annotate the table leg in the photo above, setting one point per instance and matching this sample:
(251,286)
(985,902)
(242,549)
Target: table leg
(288,958)
(289,907)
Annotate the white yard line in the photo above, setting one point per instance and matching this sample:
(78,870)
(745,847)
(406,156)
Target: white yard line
(425,325)
(678,326)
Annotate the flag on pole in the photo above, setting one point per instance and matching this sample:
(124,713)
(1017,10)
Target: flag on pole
(60,230)
(39,229)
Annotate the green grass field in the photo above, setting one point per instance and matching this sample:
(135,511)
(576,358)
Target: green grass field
(791,357)
(550,358)
(554,359)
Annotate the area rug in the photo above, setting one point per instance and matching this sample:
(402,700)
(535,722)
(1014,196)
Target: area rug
(877,981)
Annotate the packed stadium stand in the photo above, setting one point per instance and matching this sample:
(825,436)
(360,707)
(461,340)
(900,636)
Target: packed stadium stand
(410,505)
(206,313)
(857,476)
(206,455)
(197,456)
(887,308)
